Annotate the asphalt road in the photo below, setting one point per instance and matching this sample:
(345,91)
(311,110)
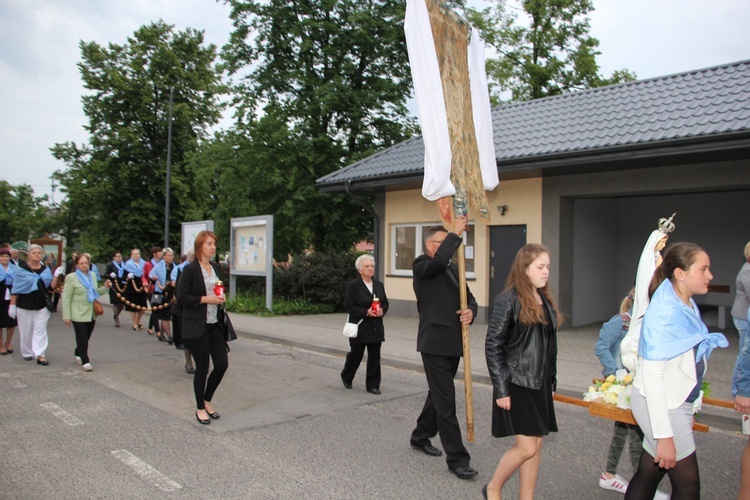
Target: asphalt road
(289,429)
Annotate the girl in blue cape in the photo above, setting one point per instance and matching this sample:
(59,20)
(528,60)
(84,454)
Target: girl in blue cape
(115,272)
(135,294)
(7,270)
(673,352)
(163,291)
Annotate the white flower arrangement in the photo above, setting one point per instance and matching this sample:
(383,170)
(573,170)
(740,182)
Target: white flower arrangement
(615,390)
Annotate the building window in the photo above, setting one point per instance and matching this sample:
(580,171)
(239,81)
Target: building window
(407,243)
(405,248)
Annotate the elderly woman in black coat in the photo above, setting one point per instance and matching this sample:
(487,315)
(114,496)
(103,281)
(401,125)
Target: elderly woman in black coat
(365,300)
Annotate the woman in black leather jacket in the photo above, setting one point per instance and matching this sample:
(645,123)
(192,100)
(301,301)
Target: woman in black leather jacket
(521,351)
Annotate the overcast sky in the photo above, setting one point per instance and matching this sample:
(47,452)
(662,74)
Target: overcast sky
(40,87)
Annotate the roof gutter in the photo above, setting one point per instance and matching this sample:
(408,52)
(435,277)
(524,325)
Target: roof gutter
(562,163)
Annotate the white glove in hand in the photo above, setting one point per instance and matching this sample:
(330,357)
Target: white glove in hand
(130,276)
(112,275)
(12,311)
(59,271)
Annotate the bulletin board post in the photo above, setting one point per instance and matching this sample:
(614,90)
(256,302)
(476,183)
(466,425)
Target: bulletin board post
(251,244)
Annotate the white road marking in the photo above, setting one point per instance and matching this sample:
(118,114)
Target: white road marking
(61,414)
(145,471)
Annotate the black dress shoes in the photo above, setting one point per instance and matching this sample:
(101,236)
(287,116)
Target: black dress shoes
(466,472)
(348,385)
(373,391)
(427,449)
(201,421)
(214,415)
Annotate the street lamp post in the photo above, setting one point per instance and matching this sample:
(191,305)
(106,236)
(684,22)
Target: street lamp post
(169,169)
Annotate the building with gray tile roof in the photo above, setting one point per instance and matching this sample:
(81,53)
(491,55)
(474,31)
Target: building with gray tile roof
(588,174)
(697,112)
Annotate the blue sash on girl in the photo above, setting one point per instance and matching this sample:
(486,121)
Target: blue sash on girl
(88,281)
(159,273)
(27,282)
(176,270)
(120,268)
(671,327)
(7,276)
(136,269)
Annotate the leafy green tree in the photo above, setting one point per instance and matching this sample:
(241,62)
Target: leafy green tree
(326,83)
(23,216)
(116,184)
(549,54)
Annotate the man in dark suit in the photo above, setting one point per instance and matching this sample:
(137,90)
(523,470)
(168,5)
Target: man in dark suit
(439,341)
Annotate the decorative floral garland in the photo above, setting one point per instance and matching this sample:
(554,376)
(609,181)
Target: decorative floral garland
(121,291)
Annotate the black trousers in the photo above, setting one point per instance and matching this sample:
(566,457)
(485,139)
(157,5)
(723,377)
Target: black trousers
(211,345)
(83,334)
(354,358)
(439,410)
(153,323)
(177,330)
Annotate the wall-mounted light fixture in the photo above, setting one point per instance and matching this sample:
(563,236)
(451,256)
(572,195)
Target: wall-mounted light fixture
(502,209)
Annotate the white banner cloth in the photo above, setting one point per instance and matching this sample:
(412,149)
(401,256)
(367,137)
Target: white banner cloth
(428,91)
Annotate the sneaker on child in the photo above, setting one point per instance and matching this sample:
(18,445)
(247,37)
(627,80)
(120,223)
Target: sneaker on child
(617,483)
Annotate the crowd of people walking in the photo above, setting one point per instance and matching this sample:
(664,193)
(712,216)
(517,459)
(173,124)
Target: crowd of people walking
(32,287)
(658,336)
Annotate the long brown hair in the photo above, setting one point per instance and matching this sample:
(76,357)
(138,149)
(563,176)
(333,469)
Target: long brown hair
(199,240)
(530,312)
(678,255)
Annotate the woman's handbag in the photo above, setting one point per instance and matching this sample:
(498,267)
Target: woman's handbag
(229,333)
(51,307)
(351,329)
(98,308)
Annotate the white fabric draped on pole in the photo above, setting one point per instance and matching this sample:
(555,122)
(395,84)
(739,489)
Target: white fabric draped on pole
(428,90)
(433,118)
(480,105)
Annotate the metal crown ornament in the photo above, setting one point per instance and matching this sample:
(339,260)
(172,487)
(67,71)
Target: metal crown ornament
(666,226)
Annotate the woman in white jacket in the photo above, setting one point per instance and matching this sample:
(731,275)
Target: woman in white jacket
(673,351)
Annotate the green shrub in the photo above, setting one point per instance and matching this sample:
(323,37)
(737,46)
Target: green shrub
(317,277)
(256,304)
(315,283)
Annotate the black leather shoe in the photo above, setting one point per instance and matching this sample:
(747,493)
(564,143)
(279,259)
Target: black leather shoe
(200,420)
(484,492)
(348,385)
(190,370)
(28,358)
(465,472)
(214,415)
(427,449)
(373,391)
